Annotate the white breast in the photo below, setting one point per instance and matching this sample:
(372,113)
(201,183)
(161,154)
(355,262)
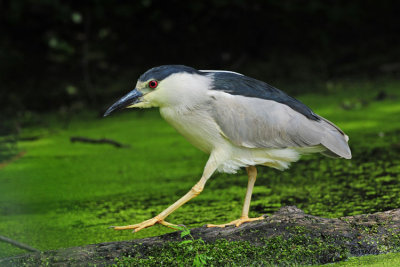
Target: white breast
(196,126)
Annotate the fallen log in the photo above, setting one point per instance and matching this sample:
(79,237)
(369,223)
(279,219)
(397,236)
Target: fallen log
(278,239)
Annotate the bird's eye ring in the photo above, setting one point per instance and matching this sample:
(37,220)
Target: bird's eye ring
(153,84)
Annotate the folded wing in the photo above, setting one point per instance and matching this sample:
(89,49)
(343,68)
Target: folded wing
(261,123)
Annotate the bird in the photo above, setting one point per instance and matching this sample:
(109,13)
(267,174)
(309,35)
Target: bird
(241,122)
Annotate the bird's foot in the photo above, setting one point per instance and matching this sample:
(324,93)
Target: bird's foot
(237,222)
(145,224)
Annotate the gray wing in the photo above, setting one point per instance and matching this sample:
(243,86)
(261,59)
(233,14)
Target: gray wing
(260,123)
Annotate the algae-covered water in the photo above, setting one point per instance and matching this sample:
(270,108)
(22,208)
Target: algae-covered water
(62,194)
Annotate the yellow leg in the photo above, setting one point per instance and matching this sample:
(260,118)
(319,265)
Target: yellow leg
(195,191)
(252,174)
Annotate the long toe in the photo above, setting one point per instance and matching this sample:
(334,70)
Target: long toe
(139,226)
(237,222)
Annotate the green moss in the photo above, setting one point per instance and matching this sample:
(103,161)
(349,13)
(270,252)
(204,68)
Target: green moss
(277,250)
(298,246)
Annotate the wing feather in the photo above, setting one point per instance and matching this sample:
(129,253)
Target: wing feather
(260,123)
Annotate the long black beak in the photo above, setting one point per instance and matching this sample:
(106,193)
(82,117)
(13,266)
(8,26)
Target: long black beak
(131,98)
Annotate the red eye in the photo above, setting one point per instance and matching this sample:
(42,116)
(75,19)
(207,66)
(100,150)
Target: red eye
(153,84)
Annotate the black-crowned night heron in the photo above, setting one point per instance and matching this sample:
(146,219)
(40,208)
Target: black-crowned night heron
(238,120)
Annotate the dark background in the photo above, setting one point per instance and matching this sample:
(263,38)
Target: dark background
(72,55)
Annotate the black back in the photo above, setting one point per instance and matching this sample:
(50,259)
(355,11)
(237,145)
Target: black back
(237,84)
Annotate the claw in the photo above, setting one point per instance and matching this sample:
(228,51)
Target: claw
(237,222)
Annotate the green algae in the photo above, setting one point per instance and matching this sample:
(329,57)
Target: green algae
(62,194)
(384,260)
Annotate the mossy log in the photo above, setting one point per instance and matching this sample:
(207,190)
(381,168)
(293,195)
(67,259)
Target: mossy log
(354,235)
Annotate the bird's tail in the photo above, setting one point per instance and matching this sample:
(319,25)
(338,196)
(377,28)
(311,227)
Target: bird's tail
(335,140)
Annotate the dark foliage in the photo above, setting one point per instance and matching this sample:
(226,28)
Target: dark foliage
(60,53)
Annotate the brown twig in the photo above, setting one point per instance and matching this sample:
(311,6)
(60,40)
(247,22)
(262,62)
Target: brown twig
(18,244)
(97,141)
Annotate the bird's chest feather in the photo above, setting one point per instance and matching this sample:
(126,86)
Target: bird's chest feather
(196,125)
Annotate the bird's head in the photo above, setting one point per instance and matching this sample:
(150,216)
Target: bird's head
(166,85)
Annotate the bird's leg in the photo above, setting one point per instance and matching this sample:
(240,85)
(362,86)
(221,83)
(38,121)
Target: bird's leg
(252,174)
(195,191)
